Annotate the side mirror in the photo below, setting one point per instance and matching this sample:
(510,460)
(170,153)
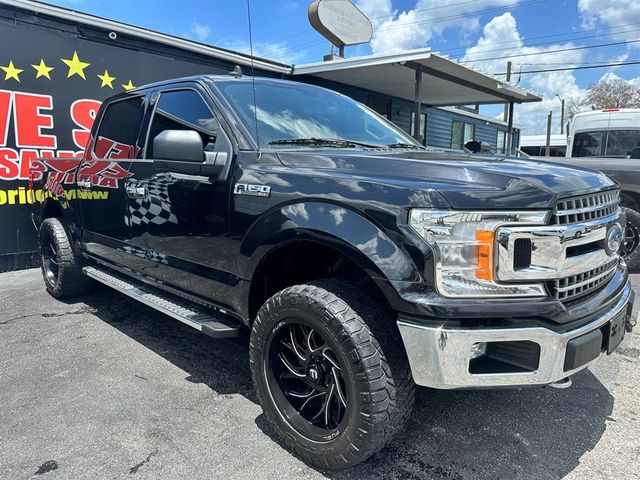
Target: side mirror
(179,145)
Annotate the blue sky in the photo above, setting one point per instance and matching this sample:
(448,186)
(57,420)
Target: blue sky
(531,31)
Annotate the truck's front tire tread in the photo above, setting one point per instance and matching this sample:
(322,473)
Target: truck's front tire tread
(370,339)
(70,280)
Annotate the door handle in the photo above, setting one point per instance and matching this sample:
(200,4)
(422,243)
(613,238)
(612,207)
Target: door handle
(137,191)
(84,184)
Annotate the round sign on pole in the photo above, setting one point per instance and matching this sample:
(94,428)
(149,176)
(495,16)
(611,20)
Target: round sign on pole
(340,22)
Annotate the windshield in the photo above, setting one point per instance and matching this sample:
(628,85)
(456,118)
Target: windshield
(295,111)
(607,143)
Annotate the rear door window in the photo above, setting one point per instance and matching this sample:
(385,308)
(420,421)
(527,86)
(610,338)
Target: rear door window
(119,128)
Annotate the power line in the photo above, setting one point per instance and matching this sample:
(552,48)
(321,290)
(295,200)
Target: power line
(423,22)
(466,15)
(579,67)
(560,50)
(387,16)
(584,37)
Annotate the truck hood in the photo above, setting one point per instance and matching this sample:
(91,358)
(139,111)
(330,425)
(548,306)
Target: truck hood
(465,181)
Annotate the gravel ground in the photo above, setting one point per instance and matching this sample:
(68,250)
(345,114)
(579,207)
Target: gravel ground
(101,387)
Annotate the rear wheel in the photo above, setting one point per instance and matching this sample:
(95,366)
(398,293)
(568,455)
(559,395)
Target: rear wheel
(331,373)
(630,250)
(61,264)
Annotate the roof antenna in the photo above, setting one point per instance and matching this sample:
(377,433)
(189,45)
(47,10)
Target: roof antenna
(253,77)
(237,71)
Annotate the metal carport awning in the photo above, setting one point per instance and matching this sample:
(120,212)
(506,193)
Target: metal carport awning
(445,82)
(423,77)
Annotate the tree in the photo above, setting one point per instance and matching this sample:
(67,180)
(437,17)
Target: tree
(612,93)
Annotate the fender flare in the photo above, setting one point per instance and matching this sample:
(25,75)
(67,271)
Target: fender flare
(335,226)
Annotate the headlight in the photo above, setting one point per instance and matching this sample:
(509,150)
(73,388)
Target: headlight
(464,244)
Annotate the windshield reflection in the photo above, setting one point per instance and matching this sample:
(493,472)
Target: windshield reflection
(286,110)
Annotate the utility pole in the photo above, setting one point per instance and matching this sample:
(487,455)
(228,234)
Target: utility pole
(505,116)
(548,149)
(561,115)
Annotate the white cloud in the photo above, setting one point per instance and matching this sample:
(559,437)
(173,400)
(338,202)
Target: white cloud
(396,30)
(502,34)
(611,13)
(291,5)
(276,51)
(200,31)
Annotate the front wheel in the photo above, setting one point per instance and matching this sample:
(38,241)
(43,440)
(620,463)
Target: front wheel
(630,249)
(330,372)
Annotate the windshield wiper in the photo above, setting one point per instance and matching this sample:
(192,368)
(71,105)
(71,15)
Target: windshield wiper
(404,145)
(322,142)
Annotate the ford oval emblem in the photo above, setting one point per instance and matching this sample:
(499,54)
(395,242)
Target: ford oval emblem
(615,235)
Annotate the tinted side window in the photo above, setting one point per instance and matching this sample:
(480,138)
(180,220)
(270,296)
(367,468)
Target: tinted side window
(183,110)
(588,144)
(623,143)
(118,132)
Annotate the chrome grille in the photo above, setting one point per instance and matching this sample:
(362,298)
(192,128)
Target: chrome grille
(575,286)
(586,207)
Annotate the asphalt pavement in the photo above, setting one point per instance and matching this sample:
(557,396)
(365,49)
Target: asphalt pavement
(101,387)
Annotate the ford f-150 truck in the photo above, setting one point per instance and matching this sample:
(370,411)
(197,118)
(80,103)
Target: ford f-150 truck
(362,263)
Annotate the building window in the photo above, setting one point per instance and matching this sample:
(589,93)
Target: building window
(501,142)
(461,134)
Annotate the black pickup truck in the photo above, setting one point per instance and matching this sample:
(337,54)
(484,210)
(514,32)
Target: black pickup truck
(362,263)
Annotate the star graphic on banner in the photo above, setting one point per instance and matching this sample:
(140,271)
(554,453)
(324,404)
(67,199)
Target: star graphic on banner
(128,86)
(42,70)
(107,80)
(76,67)
(11,72)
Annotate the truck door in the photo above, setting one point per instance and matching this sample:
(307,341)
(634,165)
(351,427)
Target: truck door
(178,206)
(102,176)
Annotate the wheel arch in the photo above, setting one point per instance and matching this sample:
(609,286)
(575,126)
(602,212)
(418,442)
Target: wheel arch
(310,240)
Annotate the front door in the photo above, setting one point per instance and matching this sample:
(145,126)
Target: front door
(178,209)
(102,176)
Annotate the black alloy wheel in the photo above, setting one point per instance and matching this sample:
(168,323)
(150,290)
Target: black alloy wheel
(330,372)
(61,263)
(306,380)
(50,261)
(631,243)
(631,239)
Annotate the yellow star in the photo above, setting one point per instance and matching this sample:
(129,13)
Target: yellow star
(128,86)
(107,81)
(42,70)
(11,72)
(76,67)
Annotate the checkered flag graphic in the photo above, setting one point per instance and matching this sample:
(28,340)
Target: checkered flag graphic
(155,209)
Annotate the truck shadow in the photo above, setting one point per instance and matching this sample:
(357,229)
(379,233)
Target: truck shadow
(528,433)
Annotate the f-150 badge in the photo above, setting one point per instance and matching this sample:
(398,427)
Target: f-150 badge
(250,189)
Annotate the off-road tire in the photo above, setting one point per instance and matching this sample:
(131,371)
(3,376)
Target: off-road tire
(632,257)
(70,280)
(380,375)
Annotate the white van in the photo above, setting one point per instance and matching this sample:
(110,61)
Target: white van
(536,145)
(610,133)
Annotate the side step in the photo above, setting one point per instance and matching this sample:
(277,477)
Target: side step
(208,321)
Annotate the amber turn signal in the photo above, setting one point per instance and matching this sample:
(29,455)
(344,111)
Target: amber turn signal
(484,270)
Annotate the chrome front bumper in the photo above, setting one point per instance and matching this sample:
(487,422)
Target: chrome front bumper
(440,357)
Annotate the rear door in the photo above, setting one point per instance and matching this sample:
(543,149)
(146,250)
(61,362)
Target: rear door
(178,210)
(102,176)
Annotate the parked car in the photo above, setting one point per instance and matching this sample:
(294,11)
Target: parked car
(609,141)
(362,263)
